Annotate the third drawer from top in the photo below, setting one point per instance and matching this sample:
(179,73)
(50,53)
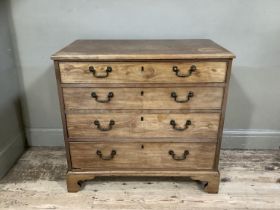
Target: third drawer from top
(135,125)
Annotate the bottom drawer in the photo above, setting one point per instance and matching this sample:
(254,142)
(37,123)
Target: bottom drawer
(107,156)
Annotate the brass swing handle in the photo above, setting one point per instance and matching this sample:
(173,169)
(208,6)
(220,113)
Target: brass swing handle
(175,127)
(109,157)
(176,157)
(93,71)
(109,96)
(99,127)
(178,74)
(189,96)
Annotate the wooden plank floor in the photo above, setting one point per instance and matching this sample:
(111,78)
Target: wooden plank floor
(250,180)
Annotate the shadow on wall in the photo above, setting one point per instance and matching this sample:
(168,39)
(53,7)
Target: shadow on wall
(12,141)
(12,138)
(38,95)
(238,115)
(44,105)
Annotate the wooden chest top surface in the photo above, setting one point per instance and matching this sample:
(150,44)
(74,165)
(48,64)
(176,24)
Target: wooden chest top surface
(142,49)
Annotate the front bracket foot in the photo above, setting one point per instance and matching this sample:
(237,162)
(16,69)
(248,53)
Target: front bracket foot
(210,182)
(75,181)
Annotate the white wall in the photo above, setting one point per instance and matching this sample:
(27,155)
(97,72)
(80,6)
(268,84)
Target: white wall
(250,29)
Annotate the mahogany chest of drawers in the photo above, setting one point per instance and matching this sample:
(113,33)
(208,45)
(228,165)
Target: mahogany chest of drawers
(143,108)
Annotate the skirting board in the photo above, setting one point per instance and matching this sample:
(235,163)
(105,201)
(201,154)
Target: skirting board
(251,139)
(44,137)
(10,153)
(232,139)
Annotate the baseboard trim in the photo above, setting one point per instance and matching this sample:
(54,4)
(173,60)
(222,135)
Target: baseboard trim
(251,139)
(45,137)
(10,153)
(232,138)
(252,132)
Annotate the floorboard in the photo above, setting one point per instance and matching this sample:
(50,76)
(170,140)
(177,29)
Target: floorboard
(250,180)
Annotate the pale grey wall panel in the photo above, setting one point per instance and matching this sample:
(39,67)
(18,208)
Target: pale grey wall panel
(251,29)
(11,130)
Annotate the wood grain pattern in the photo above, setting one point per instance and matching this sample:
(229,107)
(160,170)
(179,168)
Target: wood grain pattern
(203,125)
(142,49)
(63,117)
(141,111)
(75,181)
(143,77)
(142,155)
(143,98)
(222,118)
(209,180)
(140,85)
(248,177)
(140,139)
(144,72)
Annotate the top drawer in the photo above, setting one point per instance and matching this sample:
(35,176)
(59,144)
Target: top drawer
(146,72)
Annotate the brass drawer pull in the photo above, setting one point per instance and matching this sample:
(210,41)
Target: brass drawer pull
(176,157)
(109,96)
(175,127)
(189,96)
(93,71)
(99,127)
(178,74)
(109,157)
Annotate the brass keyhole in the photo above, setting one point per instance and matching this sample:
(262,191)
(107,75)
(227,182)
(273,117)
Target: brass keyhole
(142,68)
(142,146)
(142,118)
(142,93)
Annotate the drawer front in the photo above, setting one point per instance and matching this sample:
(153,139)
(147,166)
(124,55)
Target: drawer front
(130,72)
(191,125)
(143,98)
(108,156)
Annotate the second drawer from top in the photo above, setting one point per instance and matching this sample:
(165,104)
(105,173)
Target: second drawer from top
(143,98)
